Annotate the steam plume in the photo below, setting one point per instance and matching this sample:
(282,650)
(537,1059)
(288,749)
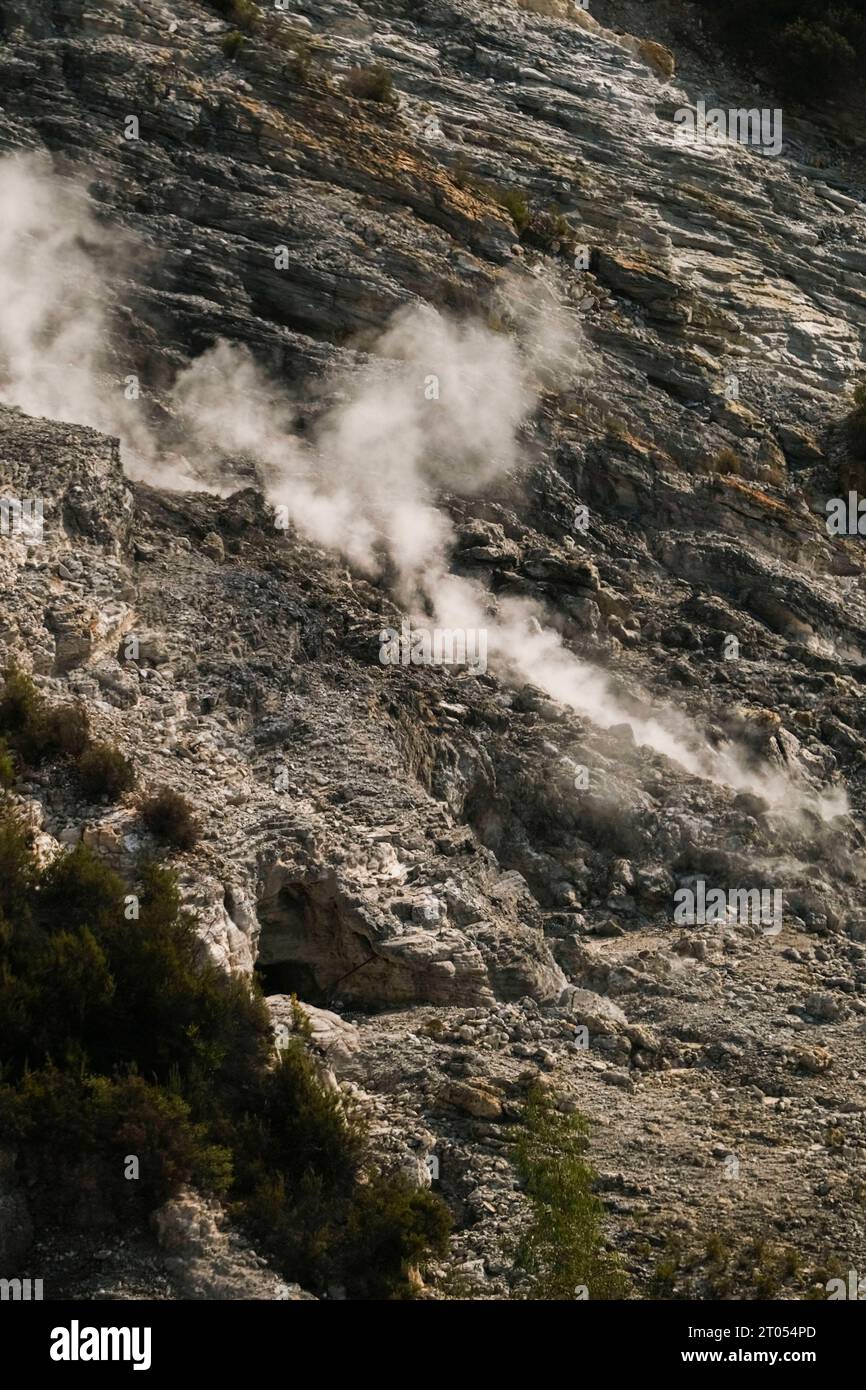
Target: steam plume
(440,405)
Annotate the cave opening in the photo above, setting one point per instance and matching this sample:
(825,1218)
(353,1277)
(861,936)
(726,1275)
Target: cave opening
(290,977)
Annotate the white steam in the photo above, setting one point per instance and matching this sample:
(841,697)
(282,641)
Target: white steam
(52,326)
(439,404)
(56,263)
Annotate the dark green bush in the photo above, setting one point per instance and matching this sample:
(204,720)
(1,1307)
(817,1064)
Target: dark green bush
(537,226)
(546,228)
(233,43)
(95,1124)
(252,20)
(515,204)
(7,765)
(20,702)
(34,730)
(243,14)
(306,1206)
(117,1038)
(374,83)
(810,47)
(23,716)
(299,1163)
(298,46)
(104,771)
(79,890)
(814,57)
(18,875)
(562,1248)
(66,731)
(168,815)
(392,1228)
(309,1126)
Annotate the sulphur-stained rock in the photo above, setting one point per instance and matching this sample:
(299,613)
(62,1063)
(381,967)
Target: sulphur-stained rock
(107,837)
(659,58)
(812,1060)
(636,277)
(476,1099)
(799,444)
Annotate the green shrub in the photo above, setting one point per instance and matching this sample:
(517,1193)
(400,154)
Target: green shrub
(515,204)
(810,47)
(250,19)
(37,732)
(20,701)
(96,1124)
(79,890)
(306,1118)
(243,14)
(168,815)
(546,229)
(813,57)
(18,874)
(562,1248)
(298,1167)
(306,1206)
(66,731)
(374,83)
(7,765)
(392,1229)
(724,1265)
(233,43)
(535,225)
(177,1018)
(297,45)
(104,771)
(117,1038)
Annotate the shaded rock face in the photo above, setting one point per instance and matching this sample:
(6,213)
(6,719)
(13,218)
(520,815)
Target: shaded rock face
(476,872)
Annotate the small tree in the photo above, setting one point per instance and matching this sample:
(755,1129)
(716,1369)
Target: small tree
(104,771)
(35,730)
(371,84)
(562,1249)
(169,817)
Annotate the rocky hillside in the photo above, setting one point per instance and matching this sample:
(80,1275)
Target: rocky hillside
(469,878)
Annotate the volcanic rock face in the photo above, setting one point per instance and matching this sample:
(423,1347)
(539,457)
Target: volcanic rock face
(477,870)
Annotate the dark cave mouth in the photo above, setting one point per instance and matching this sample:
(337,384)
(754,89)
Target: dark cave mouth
(291,977)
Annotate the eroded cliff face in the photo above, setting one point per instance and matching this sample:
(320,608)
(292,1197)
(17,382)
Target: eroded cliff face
(461,871)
